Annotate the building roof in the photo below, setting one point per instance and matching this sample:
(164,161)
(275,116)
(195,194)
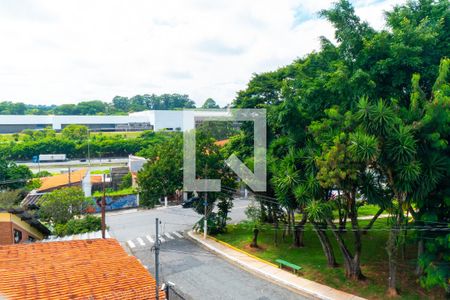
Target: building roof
(96,178)
(61,180)
(222,143)
(29,219)
(31,200)
(86,269)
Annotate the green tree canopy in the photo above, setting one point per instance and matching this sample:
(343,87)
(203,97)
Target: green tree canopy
(60,206)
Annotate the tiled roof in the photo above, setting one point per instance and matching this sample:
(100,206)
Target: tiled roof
(31,199)
(96,179)
(221,143)
(53,182)
(86,269)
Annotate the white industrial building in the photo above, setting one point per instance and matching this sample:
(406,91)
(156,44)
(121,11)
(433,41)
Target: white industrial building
(170,120)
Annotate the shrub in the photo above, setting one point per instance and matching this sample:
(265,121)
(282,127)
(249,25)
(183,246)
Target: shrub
(77,226)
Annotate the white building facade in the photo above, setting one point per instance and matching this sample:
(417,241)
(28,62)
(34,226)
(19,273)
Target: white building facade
(170,120)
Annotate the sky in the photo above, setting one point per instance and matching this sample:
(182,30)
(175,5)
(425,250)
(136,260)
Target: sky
(55,52)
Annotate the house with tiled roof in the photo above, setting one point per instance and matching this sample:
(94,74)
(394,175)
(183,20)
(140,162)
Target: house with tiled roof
(19,226)
(81,269)
(51,183)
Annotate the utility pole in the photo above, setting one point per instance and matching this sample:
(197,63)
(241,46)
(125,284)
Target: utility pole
(104,208)
(205,222)
(157,260)
(69,174)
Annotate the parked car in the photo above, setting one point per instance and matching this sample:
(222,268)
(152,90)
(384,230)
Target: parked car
(190,202)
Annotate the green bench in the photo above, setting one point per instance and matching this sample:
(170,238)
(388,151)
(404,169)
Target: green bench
(288,264)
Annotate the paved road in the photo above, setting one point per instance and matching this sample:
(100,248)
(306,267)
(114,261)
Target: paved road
(197,273)
(106,160)
(200,274)
(126,226)
(96,164)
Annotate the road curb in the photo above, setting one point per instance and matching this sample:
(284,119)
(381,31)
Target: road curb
(332,293)
(242,251)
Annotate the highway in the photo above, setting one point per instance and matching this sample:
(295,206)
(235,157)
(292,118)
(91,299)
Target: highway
(57,167)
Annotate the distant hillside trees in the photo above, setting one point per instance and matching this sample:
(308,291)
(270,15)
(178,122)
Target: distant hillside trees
(119,105)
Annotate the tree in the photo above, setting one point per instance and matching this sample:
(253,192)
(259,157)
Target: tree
(60,206)
(413,157)
(162,174)
(386,149)
(67,109)
(121,103)
(126,181)
(75,132)
(9,199)
(13,176)
(253,212)
(210,103)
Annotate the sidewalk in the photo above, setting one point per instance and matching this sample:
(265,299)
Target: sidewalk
(271,271)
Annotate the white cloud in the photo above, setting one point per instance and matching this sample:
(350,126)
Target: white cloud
(68,51)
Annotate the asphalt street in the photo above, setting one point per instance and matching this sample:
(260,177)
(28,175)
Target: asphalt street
(127,225)
(200,274)
(196,272)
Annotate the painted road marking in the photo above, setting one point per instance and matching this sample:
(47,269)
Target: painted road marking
(161,239)
(131,244)
(168,235)
(177,234)
(140,241)
(149,238)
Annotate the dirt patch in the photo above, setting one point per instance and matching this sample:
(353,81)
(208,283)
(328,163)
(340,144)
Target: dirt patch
(261,248)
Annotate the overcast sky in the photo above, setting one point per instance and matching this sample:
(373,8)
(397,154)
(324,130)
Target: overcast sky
(55,52)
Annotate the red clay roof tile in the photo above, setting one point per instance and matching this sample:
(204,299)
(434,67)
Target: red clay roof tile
(82,269)
(60,180)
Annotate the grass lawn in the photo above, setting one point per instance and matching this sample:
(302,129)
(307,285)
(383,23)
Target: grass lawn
(368,210)
(100,172)
(312,259)
(123,192)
